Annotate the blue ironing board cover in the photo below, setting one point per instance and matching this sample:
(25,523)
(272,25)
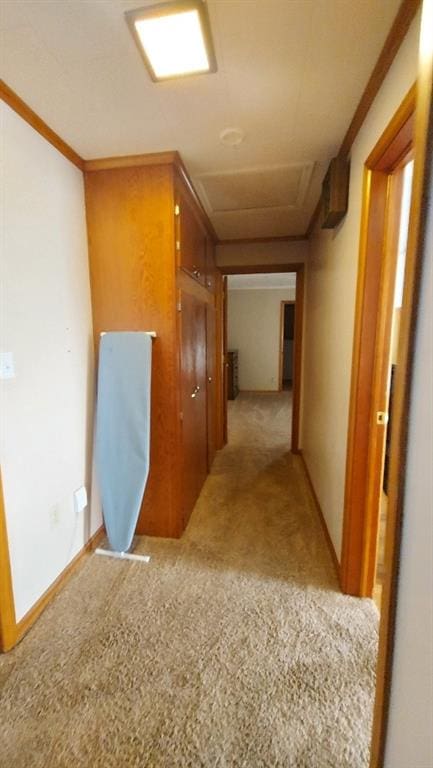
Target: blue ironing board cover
(123,431)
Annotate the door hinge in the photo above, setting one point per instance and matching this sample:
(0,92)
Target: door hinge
(382,418)
(181,415)
(177,245)
(176,210)
(179,306)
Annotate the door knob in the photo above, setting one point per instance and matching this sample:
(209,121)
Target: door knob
(209,378)
(195,391)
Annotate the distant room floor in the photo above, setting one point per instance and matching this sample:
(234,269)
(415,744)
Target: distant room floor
(232,648)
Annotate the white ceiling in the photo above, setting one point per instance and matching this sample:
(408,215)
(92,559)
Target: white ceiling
(290,74)
(279,280)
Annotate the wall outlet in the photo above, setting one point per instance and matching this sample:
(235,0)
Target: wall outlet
(80,499)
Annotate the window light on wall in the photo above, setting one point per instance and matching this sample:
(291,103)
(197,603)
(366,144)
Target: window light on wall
(174,38)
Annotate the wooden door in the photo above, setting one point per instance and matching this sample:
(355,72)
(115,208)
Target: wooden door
(211,382)
(191,239)
(193,399)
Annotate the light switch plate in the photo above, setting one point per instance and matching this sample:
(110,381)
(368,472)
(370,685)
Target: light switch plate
(7,368)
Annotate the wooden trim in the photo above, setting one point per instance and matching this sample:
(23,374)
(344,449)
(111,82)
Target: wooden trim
(258,269)
(297,358)
(130,161)
(7,604)
(321,516)
(371,313)
(283,304)
(405,15)
(416,259)
(20,107)
(171,157)
(396,140)
(35,611)
(275,239)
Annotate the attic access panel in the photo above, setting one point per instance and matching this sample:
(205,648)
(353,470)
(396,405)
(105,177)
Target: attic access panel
(257,188)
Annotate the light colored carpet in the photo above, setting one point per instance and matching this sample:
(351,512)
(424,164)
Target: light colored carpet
(232,648)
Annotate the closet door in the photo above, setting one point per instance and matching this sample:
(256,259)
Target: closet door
(193,399)
(191,239)
(211,382)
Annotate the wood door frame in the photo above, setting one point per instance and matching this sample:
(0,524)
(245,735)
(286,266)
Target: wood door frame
(376,276)
(283,305)
(299,269)
(8,624)
(416,256)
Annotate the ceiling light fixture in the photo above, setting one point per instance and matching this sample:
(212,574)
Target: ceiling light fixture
(173,38)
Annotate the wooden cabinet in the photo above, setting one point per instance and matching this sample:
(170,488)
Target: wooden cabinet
(190,237)
(150,252)
(193,400)
(232,374)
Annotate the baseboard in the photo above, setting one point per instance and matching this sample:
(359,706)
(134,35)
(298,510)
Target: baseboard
(23,626)
(321,517)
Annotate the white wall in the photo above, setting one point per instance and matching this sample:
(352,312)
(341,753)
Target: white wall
(277,252)
(254,330)
(331,276)
(410,734)
(46,410)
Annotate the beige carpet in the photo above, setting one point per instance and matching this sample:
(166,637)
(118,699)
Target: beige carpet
(232,648)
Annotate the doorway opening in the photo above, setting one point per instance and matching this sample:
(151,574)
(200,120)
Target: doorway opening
(387,184)
(254,337)
(287,340)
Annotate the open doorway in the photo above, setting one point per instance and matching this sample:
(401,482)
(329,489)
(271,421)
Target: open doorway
(253,359)
(387,191)
(287,341)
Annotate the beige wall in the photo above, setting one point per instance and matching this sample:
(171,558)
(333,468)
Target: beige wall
(46,410)
(331,276)
(254,330)
(262,253)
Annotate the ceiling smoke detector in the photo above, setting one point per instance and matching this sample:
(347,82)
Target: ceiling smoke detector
(232,137)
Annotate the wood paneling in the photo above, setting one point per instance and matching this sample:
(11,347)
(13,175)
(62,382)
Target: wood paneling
(130,215)
(190,237)
(194,446)
(211,383)
(139,282)
(130,161)
(21,108)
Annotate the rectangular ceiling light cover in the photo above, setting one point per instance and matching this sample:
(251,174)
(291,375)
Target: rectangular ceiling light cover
(173,38)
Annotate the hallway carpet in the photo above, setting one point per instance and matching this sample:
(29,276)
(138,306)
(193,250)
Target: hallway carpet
(232,648)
